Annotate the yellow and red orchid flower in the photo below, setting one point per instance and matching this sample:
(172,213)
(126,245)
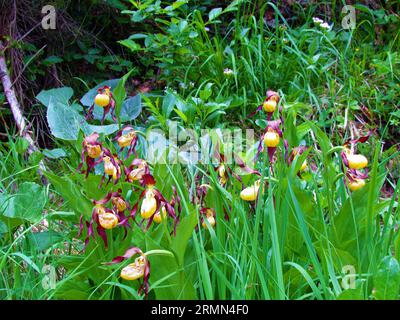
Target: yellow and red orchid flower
(119,204)
(271,138)
(139,269)
(354,163)
(137,170)
(355,182)
(269,105)
(152,201)
(350,159)
(296,152)
(105,100)
(104,218)
(91,150)
(208,214)
(127,137)
(251,193)
(223,168)
(112,167)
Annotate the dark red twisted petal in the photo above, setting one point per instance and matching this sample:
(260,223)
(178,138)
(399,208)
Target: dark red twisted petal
(148,179)
(81,226)
(244,167)
(255,112)
(271,152)
(145,286)
(102,233)
(344,158)
(127,255)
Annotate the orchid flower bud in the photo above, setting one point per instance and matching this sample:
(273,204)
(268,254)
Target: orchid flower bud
(134,270)
(99,209)
(211,221)
(222,174)
(138,173)
(210,218)
(303,165)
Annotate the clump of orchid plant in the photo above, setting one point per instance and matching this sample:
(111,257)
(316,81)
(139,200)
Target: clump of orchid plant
(106,218)
(223,168)
(105,100)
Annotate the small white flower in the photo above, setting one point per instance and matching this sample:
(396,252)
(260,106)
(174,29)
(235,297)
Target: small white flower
(45,223)
(325,25)
(207,29)
(317,20)
(182,85)
(191,84)
(228,72)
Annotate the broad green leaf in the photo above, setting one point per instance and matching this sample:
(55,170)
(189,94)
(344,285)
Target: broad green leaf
(352,294)
(21,145)
(3,227)
(183,234)
(181,114)
(387,279)
(130,44)
(65,123)
(214,13)
(44,240)
(61,95)
(54,153)
(50,60)
(26,204)
(73,289)
(170,281)
(168,104)
(119,94)
(71,194)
